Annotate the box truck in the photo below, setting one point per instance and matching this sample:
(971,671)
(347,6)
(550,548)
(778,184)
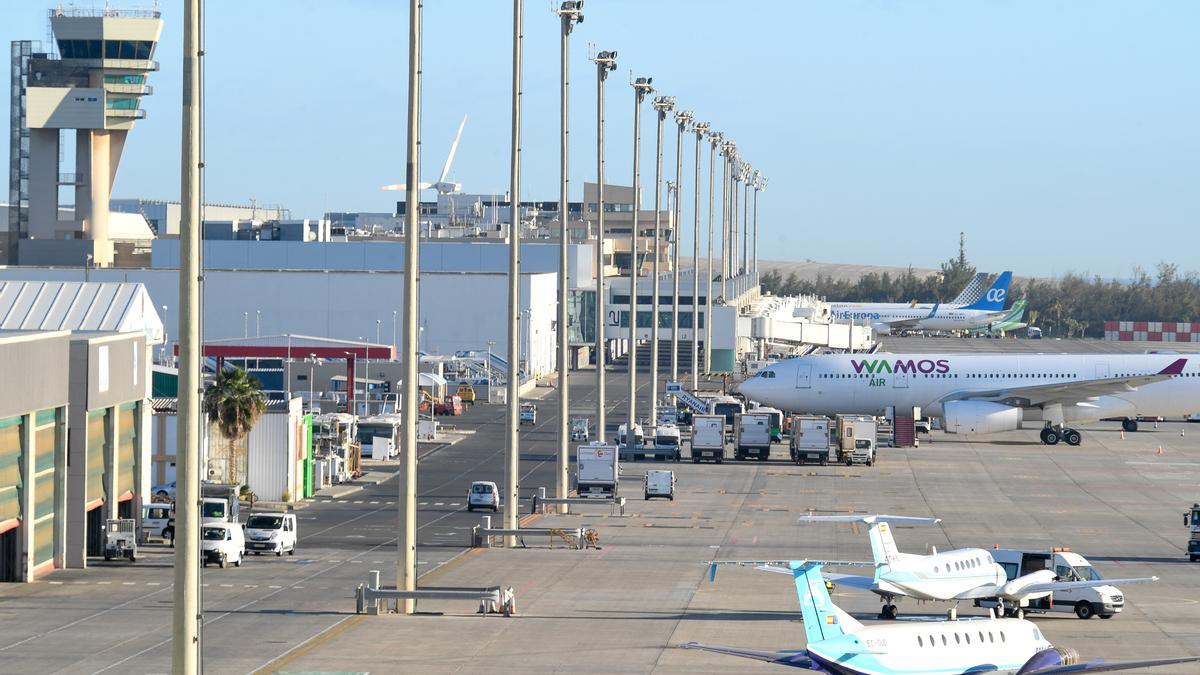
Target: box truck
(809,442)
(596,470)
(708,438)
(856,439)
(752,436)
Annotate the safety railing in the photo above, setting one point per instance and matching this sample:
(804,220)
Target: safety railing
(578,538)
(371,598)
(616,505)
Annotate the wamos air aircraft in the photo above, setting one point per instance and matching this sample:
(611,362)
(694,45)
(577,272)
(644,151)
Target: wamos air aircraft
(837,643)
(985,393)
(885,318)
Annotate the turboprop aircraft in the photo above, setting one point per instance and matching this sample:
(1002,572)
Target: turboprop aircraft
(838,643)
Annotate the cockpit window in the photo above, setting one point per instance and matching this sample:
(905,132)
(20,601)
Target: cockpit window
(767,373)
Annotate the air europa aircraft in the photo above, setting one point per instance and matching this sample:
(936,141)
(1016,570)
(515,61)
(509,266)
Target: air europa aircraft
(985,393)
(968,295)
(886,318)
(838,643)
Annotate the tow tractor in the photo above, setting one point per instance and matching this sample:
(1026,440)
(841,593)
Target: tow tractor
(1192,521)
(120,539)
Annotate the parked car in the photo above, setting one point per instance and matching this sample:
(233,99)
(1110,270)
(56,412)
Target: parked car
(483,495)
(271,532)
(222,543)
(164,490)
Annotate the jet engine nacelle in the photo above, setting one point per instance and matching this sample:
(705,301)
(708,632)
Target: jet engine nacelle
(1013,590)
(979,417)
(1048,658)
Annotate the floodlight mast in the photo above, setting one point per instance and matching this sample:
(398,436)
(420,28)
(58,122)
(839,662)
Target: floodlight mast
(683,119)
(760,185)
(715,139)
(747,172)
(570,13)
(605,62)
(662,105)
(641,88)
(512,447)
(700,128)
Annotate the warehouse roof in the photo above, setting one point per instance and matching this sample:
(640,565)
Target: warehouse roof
(88,307)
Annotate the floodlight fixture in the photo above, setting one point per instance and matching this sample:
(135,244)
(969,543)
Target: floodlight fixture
(571,12)
(664,104)
(684,118)
(606,60)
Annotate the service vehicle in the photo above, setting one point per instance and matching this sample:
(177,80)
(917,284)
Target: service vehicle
(1103,601)
(452,404)
(483,494)
(1191,520)
(856,439)
(668,415)
(218,502)
(158,520)
(752,436)
(596,469)
(271,532)
(776,422)
(666,442)
(727,407)
(631,448)
(120,539)
(809,441)
(528,413)
(659,483)
(166,490)
(708,438)
(580,430)
(222,543)
(466,392)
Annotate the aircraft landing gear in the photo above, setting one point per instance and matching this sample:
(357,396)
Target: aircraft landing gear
(1129,425)
(888,612)
(1072,437)
(1051,436)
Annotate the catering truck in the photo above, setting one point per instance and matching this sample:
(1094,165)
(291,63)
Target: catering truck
(809,442)
(856,439)
(752,436)
(1104,601)
(596,470)
(708,438)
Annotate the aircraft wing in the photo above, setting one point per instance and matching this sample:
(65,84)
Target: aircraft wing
(780,566)
(795,659)
(851,580)
(1069,585)
(1101,666)
(1070,393)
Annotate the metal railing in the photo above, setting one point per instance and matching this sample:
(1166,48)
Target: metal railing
(124,88)
(135,113)
(616,505)
(371,598)
(93,12)
(578,538)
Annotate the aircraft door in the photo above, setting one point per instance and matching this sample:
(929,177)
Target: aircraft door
(803,375)
(900,379)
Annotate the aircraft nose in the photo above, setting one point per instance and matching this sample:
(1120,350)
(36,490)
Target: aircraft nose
(748,387)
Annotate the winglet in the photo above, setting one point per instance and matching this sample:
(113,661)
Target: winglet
(1175,368)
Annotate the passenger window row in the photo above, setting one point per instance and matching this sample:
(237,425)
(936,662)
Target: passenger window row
(963,638)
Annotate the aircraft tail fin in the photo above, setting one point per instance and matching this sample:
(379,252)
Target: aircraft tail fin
(993,299)
(971,292)
(883,545)
(823,620)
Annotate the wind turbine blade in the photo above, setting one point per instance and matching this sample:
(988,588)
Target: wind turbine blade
(402,187)
(453,149)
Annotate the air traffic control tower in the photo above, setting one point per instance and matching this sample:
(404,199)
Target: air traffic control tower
(93,86)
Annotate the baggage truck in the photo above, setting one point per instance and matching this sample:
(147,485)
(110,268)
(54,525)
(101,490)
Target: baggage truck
(1105,601)
(708,438)
(809,442)
(596,470)
(752,436)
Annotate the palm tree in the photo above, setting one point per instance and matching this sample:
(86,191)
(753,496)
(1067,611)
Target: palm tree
(233,404)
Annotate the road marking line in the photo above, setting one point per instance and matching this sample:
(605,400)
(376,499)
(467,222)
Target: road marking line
(153,583)
(226,585)
(104,583)
(274,586)
(129,583)
(375,502)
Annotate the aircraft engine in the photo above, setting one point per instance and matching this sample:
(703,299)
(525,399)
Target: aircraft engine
(1058,656)
(979,417)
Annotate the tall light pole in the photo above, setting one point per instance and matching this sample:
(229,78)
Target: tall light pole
(406,572)
(760,184)
(700,128)
(715,140)
(662,105)
(605,63)
(747,176)
(186,612)
(570,13)
(682,119)
(727,151)
(641,88)
(512,443)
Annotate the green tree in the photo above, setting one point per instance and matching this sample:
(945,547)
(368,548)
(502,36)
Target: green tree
(234,403)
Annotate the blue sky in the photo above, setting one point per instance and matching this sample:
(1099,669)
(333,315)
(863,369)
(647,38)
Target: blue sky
(1059,135)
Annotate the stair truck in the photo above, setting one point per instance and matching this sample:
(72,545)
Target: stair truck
(809,442)
(752,436)
(596,470)
(708,438)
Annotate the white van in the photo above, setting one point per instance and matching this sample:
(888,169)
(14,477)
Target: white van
(271,532)
(158,520)
(222,543)
(1103,601)
(483,495)
(659,483)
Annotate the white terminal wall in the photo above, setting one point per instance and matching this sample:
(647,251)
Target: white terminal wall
(458,310)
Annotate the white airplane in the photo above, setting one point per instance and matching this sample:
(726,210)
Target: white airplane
(837,643)
(948,576)
(985,393)
(885,319)
(968,295)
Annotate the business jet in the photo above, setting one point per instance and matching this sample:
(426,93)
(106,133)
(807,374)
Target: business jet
(838,643)
(886,319)
(985,393)
(948,576)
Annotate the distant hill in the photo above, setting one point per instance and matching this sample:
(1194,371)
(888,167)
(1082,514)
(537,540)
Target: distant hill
(808,270)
